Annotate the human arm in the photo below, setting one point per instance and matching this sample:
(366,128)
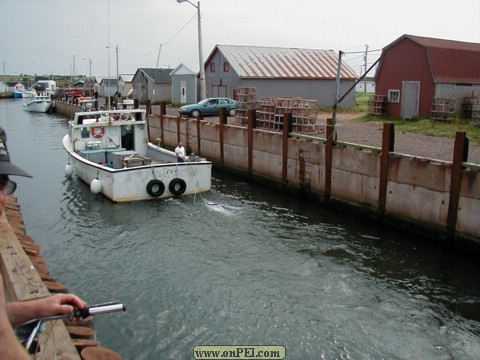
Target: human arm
(58,304)
(9,344)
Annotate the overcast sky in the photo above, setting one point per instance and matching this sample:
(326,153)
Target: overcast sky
(64,36)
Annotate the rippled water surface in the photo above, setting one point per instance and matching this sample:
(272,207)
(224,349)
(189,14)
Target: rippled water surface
(241,265)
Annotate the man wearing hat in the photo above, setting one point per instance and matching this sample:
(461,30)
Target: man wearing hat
(17,312)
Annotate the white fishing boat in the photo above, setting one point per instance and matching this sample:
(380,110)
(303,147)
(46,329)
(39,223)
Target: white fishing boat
(110,151)
(40,103)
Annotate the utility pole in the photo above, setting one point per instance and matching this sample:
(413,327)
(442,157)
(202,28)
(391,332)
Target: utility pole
(365,79)
(109,95)
(203,87)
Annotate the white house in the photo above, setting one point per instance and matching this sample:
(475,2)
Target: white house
(108,87)
(125,84)
(3,87)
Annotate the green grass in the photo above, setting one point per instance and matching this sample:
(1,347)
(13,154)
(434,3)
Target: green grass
(426,127)
(362,101)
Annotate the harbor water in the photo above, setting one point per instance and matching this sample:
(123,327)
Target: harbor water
(241,265)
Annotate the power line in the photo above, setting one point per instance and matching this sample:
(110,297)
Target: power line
(166,42)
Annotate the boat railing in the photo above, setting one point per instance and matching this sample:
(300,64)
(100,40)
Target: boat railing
(109,117)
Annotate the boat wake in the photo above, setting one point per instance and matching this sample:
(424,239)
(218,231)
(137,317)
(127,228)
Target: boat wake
(221,208)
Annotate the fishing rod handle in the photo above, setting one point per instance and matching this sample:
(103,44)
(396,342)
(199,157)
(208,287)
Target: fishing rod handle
(98,309)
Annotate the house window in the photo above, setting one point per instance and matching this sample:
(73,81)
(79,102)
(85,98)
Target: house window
(226,66)
(394,96)
(212,67)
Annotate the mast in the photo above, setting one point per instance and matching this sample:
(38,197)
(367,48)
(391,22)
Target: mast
(108,51)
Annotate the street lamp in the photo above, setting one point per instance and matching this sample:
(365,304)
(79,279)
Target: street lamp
(203,93)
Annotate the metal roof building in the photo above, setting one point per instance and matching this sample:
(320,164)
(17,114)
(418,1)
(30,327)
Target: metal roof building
(413,70)
(152,84)
(278,72)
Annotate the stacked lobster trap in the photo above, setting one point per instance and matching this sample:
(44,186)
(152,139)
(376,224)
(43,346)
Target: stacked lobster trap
(270,112)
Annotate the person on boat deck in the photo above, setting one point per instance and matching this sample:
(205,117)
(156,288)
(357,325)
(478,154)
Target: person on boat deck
(14,313)
(180,152)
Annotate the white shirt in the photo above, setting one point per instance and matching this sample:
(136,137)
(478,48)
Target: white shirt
(180,151)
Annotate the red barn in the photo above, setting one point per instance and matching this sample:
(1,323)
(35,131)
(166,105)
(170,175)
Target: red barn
(414,70)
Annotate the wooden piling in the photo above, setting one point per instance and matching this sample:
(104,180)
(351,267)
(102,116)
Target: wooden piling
(460,153)
(252,123)
(328,159)
(287,129)
(388,143)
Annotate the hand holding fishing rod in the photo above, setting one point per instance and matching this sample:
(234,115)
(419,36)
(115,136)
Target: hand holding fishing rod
(105,308)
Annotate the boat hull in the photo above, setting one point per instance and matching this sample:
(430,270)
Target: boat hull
(136,183)
(41,107)
(40,103)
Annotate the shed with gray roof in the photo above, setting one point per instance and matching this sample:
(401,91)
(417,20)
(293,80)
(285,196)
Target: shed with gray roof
(278,72)
(152,84)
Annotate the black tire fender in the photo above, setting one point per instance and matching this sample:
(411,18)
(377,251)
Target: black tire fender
(155,188)
(177,186)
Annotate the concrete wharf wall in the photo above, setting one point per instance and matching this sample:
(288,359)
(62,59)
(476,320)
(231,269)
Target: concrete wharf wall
(438,199)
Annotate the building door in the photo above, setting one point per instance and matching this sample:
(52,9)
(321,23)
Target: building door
(183,92)
(219,90)
(410,99)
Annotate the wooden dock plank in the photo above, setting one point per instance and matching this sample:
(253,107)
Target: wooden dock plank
(22,282)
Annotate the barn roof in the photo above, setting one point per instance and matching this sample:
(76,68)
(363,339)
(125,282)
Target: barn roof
(127,77)
(159,75)
(182,69)
(450,61)
(282,63)
(109,81)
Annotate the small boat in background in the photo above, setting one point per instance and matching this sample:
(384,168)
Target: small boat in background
(17,93)
(40,103)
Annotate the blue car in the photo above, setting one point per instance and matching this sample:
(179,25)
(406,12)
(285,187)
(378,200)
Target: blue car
(209,106)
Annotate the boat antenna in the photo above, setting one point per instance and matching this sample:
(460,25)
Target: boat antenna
(108,47)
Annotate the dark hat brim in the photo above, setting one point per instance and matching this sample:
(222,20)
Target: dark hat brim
(7,168)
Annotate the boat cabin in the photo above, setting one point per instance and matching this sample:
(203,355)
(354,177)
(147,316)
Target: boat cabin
(116,138)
